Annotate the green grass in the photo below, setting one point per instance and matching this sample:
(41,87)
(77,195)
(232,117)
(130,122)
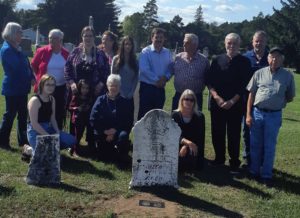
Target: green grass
(212,192)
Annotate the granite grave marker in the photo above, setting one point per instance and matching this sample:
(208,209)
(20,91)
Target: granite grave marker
(155,150)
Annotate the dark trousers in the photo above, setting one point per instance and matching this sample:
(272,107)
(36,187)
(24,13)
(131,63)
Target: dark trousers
(111,150)
(176,98)
(80,124)
(226,122)
(151,97)
(190,162)
(60,105)
(14,105)
(89,132)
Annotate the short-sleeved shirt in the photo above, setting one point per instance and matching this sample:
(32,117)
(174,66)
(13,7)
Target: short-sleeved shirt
(272,90)
(190,74)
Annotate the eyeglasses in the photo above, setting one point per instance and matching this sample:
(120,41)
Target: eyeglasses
(88,36)
(189,99)
(50,84)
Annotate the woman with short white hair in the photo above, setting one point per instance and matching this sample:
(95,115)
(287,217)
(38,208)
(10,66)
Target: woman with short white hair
(51,59)
(16,84)
(111,123)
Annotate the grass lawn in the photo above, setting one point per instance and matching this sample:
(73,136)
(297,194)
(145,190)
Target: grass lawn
(94,189)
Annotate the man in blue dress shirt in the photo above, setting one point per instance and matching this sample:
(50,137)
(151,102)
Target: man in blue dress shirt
(154,65)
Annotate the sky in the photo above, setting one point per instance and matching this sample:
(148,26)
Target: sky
(219,11)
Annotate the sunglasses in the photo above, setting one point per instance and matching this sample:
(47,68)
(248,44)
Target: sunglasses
(189,99)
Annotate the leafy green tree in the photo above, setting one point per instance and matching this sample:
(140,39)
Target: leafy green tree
(199,15)
(150,15)
(72,15)
(133,26)
(175,32)
(285,31)
(7,11)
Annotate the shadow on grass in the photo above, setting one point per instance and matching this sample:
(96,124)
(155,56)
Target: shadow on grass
(291,119)
(220,176)
(286,182)
(64,186)
(77,166)
(71,188)
(174,195)
(6,191)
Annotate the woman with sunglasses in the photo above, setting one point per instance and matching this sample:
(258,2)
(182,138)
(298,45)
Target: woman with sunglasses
(41,109)
(192,124)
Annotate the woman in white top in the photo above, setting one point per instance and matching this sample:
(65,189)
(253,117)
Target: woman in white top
(51,59)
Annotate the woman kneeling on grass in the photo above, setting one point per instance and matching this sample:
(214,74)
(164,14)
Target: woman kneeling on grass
(192,125)
(41,108)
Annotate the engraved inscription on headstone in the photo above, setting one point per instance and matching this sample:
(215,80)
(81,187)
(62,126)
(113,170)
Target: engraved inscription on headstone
(44,167)
(155,150)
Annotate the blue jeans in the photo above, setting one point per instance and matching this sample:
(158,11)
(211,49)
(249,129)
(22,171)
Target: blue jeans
(14,105)
(151,97)
(66,140)
(263,138)
(176,98)
(246,140)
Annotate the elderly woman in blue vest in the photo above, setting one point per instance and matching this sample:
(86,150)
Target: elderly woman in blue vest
(16,84)
(111,123)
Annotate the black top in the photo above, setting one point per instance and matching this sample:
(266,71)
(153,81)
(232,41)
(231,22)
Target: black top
(45,111)
(193,130)
(228,77)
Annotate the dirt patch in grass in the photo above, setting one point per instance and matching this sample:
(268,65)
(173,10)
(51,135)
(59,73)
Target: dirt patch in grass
(129,207)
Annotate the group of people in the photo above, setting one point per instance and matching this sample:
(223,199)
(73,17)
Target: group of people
(97,84)
(85,83)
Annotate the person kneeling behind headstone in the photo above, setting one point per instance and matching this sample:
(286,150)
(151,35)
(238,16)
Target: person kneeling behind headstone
(192,124)
(41,108)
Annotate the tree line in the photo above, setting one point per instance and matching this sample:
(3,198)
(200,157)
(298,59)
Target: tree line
(282,27)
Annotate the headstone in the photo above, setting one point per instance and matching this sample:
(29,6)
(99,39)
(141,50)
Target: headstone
(26,47)
(37,38)
(205,51)
(44,168)
(69,46)
(91,22)
(155,150)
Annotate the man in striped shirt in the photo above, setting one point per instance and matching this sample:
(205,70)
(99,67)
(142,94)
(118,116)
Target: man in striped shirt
(189,69)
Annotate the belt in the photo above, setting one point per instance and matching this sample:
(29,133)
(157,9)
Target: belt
(267,110)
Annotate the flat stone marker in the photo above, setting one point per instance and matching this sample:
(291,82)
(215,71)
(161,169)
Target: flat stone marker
(155,150)
(44,168)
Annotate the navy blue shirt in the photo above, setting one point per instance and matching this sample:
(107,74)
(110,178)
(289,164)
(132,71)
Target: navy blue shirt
(107,113)
(255,63)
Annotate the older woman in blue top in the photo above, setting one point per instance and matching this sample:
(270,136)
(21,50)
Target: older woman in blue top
(111,123)
(16,84)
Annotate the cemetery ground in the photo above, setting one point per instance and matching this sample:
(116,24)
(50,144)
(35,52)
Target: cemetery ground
(94,189)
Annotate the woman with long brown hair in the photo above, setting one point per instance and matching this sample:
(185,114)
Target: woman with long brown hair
(125,64)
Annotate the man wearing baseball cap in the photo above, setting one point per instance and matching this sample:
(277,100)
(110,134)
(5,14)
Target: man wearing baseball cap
(270,89)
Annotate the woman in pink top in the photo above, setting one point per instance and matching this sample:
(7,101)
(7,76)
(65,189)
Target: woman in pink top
(51,59)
